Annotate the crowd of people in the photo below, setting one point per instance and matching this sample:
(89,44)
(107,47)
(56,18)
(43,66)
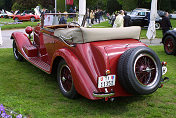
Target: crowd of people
(94,16)
(121,19)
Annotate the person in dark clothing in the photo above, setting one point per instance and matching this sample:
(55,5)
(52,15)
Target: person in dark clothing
(127,19)
(71,11)
(98,15)
(95,15)
(165,23)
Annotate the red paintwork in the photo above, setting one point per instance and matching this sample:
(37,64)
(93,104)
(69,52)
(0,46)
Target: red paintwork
(28,30)
(26,17)
(87,61)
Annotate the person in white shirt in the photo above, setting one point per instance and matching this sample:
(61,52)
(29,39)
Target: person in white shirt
(119,21)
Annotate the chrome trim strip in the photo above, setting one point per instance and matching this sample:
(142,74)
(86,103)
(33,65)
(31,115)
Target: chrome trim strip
(62,38)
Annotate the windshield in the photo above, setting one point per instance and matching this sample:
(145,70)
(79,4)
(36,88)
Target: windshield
(134,13)
(59,18)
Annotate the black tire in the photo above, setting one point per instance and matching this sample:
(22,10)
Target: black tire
(170,45)
(65,81)
(32,19)
(17,55)
(16,19)
(133,65)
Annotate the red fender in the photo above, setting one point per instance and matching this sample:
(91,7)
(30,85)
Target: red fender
(82,81)
(21,40)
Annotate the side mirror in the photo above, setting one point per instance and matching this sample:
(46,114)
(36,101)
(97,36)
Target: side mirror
(29,30)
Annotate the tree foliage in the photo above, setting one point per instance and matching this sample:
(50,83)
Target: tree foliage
(113,5)
(108,5)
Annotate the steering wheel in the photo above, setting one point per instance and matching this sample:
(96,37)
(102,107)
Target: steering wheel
(75,24)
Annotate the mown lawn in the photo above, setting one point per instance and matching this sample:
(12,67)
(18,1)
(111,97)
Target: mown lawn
(31,92)
(143,32)
(13,26)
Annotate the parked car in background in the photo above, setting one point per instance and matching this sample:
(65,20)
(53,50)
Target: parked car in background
(96,63)
(3,14)
(173,15)
(169,41)
(10,15)
(140,17)
(26,16)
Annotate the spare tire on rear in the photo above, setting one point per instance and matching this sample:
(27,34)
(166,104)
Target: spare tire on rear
(139,71)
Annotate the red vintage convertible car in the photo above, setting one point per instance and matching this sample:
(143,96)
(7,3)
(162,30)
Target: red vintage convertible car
(96,63)
(26,17)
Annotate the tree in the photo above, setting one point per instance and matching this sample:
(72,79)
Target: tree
(6,4)
(61,5)
(113,5)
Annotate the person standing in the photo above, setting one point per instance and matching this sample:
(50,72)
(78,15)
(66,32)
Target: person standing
(119,21)
(88,16)
(92,16)
(127,20)
(95,12)
(165,23)
(74,15)
(98,15)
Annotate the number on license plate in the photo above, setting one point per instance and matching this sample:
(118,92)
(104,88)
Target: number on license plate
(106,81)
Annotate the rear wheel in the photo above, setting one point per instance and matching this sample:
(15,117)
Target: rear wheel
(157,25)
(139,71)
(17,55)
(32,19)
(170,45)
(65,80)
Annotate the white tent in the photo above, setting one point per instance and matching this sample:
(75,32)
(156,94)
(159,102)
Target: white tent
(151,33)
(0,37)
(82,10)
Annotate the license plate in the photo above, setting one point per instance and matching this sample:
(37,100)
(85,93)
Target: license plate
(164,70)
(106,81)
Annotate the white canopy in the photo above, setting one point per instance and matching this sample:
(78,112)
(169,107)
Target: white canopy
(82,10)
(151,33)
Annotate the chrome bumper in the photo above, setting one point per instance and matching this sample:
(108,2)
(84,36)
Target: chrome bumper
(103,95)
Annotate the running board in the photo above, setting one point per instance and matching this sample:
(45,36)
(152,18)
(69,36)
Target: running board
(36,61)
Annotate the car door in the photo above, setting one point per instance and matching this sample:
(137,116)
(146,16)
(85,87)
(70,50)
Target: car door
(48,44)
(23,16)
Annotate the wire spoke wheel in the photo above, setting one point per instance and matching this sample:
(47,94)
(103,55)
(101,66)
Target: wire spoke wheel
(145,70)
(16,53)
(65,80)
(170,45)
(139,71)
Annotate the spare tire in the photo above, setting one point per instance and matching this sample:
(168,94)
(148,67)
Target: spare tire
(139,71)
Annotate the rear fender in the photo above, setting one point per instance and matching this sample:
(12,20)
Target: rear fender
(21,40)
(82,81)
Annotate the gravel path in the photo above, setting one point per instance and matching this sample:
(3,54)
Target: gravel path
(6,34)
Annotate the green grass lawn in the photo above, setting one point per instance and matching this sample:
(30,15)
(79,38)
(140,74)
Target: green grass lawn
(29,91)
(13,26)
(143,32)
